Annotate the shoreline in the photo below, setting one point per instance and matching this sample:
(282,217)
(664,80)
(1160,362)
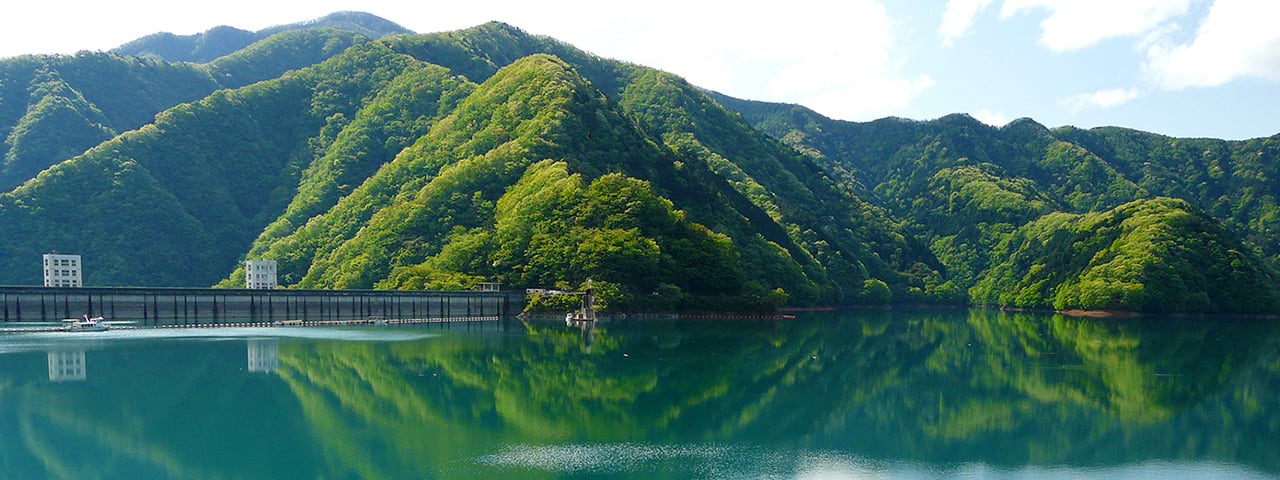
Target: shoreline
(1081,313)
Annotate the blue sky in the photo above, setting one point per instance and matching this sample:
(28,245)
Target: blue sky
(1186,68)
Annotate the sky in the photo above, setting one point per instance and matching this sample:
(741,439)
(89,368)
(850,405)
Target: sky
(1184,68)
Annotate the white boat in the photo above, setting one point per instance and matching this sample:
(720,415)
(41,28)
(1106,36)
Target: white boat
(95,324)
(85,324)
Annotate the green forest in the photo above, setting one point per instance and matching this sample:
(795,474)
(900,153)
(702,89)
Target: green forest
(360,155)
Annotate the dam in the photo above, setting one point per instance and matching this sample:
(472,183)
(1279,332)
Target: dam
(212,306)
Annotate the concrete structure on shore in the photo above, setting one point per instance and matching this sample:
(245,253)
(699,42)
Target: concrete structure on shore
(160,307)
(61,270)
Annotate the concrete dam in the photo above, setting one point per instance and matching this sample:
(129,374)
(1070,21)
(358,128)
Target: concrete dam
(211,306)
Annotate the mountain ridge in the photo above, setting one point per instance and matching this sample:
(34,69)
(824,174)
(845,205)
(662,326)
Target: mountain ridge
(911,166)
(223,40)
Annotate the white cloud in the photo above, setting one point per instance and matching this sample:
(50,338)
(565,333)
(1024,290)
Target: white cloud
(958,18)
(1076,24)
(1238,38)
(1100,99)
(839,58)
(68,26)
(850,70)
(991,117)
(835,57)
(866,99)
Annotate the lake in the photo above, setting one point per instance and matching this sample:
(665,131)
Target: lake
(856,394)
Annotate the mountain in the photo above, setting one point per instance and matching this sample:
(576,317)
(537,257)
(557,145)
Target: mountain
(1157,255)
(488,154)
(54,107)
(437,160)
(977,194)
(223,40)
(393,218)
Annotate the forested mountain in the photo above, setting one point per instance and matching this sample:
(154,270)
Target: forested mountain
(488,154)
(223,40)
(992,203)
(54,107)
(439,160)
(472,167)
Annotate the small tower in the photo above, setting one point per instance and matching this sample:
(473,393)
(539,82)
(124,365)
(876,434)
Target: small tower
(260,274)
(61,270)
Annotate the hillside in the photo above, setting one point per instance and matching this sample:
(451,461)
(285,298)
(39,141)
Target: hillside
(390,166)
(353,244)
(1157,255)
(189,189)
(54,107)
(488,154)
(970,190)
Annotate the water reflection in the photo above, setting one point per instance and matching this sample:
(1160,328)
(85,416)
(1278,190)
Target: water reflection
(927,394)
(938,388)
(264,354)
(587,330)
(66,366)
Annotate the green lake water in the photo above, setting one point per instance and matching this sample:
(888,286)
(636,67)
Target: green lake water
(849,395)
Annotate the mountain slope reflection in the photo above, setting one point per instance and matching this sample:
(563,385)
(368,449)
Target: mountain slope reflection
(929,393)
(943,388)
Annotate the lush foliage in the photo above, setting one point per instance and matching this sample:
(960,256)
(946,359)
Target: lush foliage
(440,214)
(970,191)
(272,56)
(550,228)
(1147,255)
(58,124)
(203,179)
(55,107)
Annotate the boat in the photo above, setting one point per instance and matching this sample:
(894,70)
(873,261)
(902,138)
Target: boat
(85,324)
(94,324)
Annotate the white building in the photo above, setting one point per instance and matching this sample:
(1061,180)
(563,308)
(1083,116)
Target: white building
(62,270)
(260,274)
